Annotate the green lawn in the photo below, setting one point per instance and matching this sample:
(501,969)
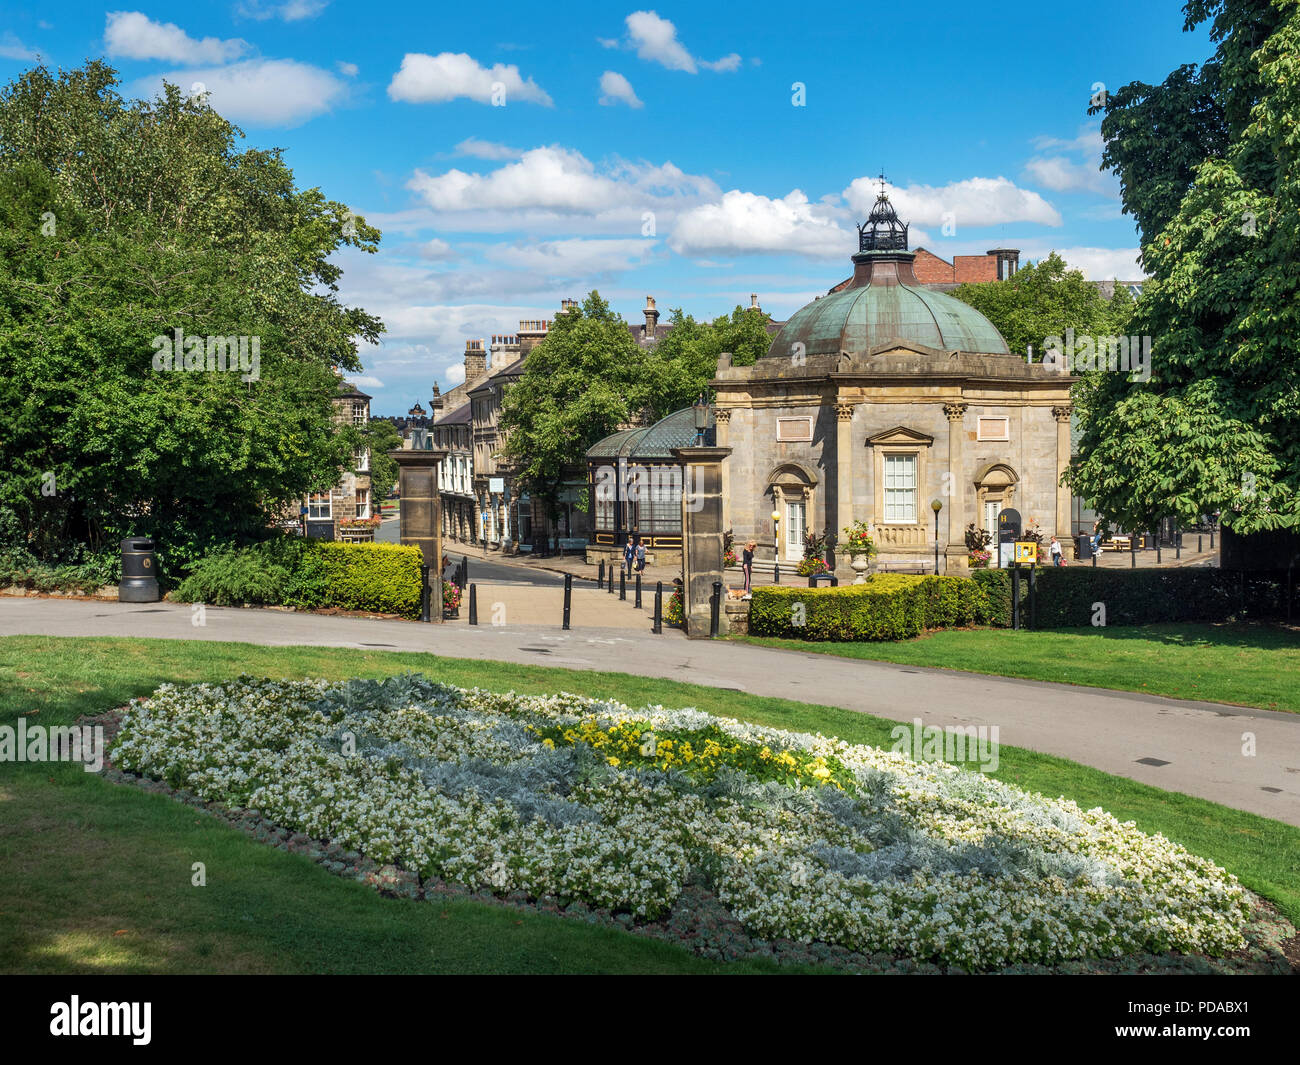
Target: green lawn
(97,876)
(1250,665)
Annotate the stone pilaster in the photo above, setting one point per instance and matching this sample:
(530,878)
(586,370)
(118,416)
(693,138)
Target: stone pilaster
(843,481)
(1062,415)
(702,532)
(722,432)
(420,521)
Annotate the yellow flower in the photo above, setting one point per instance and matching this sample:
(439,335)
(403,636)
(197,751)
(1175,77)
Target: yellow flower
(548,742)
(612,761)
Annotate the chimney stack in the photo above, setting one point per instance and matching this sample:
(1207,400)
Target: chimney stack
(435,403)
(475,360)
(753,302)
(651,318)
(568,305)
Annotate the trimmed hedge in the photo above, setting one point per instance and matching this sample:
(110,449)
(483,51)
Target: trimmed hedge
(888,607)
(291,571)
(1067,596)
(384,578)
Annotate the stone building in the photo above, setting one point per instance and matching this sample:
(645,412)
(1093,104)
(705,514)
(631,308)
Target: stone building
(877,399)
(330,515)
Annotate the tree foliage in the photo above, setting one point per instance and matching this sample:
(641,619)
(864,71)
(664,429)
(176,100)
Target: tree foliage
(588,377)
(1217,428)
(1045,299)
(121,221)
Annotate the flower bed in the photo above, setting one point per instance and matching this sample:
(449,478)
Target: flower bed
(590,803)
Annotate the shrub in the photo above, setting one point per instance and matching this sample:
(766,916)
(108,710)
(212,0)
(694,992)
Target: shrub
(291,571)
(888,607)
(384,578)
(1068,596)
(84,572)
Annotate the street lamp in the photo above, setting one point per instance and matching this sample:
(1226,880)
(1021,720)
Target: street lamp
(936,505)
(700,408)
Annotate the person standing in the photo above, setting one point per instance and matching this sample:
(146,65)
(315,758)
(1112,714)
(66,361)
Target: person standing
(629,553)
(640,554)
(747,565)
(1055,551)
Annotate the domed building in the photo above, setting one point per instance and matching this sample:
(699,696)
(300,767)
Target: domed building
(878,399)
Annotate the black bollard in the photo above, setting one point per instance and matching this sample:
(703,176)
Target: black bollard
(1157,539)
(473,604)
(568,597)
(600,576)
(1132,550)
(424,594)
(1033,597)
(715,606)
(1178,544)
(1015,596)
(637,604)
(659,608)
(610,583)
(1200,544)
(776,569)
(622,585)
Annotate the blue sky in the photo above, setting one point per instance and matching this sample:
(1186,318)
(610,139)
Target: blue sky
(659,150)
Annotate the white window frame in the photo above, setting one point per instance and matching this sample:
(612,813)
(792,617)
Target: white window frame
(363,502)
(899,509)
(315,504)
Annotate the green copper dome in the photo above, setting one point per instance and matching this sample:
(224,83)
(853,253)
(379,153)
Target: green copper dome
(885,302)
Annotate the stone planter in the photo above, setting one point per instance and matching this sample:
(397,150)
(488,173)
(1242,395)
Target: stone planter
(861,566)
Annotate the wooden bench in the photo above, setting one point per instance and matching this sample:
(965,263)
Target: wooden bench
(903,567)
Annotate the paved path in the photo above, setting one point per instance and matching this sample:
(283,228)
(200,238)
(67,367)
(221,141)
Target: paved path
(1200,744)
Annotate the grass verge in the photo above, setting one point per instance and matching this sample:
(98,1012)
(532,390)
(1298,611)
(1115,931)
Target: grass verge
(97,877)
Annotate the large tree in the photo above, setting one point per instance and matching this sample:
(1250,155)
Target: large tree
(1045,299)
(1217,427)
(123,221)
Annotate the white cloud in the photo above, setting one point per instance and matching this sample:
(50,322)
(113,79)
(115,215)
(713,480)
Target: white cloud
(437,250)
(348,70)
(747,223)
(132,35)
(292,11)
(725,65)
(481,149)
(615,88)
(1102,264)
(972,202)
(366,381)
(655,40)
(425,79)
(266,92)
(455,374)
(575,259)
(1060,173)
(12,48)
(560,179)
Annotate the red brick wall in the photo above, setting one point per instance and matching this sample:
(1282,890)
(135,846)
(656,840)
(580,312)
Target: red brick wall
(930,269)
(974,268)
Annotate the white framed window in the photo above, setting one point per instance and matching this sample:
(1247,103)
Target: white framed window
(793,430)
(319,507)
(796,520)
(358,412)
(363,502)
(362,461)
(900,489)
(992,428)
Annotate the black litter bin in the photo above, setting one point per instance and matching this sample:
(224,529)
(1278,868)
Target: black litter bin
(823,578)
(139,572)
(1083,547)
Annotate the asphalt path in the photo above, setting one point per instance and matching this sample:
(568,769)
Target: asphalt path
(1241,757)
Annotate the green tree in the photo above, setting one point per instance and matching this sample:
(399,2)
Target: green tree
(1045,299)
(1218,425)
(121,222)
(579,384)
(382,437)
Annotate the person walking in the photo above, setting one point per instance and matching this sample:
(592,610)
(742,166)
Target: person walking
(747,565)
(640,554)
(629,554)
(1055,551)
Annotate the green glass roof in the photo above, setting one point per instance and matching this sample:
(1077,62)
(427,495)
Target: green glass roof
(858,319)
(652,443)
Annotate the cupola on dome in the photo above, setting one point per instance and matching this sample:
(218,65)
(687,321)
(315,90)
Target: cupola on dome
(884,302)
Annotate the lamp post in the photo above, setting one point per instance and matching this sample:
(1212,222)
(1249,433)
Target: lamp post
(700,409)
(936,505)
(776,543)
